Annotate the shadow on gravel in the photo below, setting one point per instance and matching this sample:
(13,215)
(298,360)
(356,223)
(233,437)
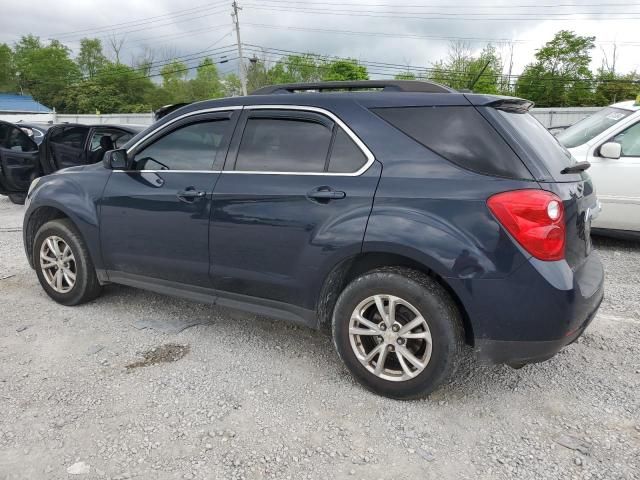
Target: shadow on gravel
(600,241)
(313,349)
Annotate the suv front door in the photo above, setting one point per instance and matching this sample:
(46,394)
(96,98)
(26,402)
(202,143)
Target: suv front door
(294,198)
(155,215)
(64,146)
(617,182)
(19,159)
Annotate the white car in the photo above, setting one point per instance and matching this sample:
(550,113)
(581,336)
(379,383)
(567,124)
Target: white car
(610,141)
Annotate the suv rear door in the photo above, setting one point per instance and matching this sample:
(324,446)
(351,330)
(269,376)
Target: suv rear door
(19,159)
(294,198)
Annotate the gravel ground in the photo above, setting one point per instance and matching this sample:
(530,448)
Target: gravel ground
(114,389)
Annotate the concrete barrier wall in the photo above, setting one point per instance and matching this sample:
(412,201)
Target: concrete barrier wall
(549,117)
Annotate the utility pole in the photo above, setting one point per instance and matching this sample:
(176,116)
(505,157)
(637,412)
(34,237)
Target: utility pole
(236,21)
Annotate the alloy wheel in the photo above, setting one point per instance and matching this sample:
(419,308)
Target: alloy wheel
(58,264)
(390,337)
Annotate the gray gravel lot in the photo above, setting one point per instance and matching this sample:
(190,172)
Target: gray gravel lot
(257,398)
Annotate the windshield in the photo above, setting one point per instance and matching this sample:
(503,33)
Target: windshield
(592,126)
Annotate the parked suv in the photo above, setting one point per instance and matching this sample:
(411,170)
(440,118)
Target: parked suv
(409,218)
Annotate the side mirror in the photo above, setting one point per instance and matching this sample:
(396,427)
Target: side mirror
(115,159)
(611,150)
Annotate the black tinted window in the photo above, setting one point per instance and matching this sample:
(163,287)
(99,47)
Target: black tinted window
(283,145)
(192,147)
(545,148)
(346,157)
(459,134)
(73,137)
(13,138)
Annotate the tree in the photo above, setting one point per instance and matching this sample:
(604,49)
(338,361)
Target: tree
(612,87)
(347,69)
(406,76)
(174,76)
(91,58)
(115,88)
(296,69)
(207,82)
(8,81)
(45,71)
(462,70)
(560,76)
(116,45)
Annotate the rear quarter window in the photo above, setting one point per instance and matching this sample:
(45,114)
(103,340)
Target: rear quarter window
(541,145)
(461,135)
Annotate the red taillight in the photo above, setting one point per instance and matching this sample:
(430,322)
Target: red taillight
(535,218)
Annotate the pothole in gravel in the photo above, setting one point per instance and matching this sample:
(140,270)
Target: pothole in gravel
(163,354)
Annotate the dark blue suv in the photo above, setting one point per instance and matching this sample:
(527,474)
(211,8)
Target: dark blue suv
(410,218)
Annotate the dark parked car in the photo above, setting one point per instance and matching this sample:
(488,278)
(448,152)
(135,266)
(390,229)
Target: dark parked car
(410,220)
(23,158)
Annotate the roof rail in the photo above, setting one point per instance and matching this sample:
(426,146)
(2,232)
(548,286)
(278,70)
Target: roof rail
(385,85)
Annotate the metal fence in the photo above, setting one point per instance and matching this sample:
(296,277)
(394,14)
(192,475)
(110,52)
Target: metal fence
(549,117)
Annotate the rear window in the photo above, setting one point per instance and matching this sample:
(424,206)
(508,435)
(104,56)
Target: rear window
(459,134)
(545,147)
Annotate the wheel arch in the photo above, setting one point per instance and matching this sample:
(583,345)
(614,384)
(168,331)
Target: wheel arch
(38,217)
(350,268)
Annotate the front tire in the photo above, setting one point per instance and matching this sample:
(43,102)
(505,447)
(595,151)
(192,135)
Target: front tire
(398,332)
(63,264)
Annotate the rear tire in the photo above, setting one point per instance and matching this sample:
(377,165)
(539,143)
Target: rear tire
(431,347)
(63,265)
(17,198)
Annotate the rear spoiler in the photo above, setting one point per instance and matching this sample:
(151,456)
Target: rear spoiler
(512,105)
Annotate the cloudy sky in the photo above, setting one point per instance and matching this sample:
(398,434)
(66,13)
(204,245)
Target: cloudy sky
(390,33)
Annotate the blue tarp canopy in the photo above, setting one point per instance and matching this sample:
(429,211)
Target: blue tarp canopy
(11,102)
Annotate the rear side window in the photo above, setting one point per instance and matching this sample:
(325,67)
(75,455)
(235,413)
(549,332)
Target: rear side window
(459,134)
(346,157)
(283,145)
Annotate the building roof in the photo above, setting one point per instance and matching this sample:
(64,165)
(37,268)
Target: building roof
(12,102)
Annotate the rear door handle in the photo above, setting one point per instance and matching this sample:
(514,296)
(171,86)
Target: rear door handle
(326,194)
(190,194)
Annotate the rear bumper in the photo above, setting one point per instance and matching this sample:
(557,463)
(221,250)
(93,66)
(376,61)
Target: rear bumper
(533,313)
(518,352)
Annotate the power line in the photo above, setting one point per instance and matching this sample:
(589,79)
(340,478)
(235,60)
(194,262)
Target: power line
(397,68)
(435,16)
(413,36)
(111,33)
(450,6)
(142,21)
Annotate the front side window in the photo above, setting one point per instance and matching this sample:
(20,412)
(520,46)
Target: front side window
(629,140)
(191,147)
(284,145)
(592,126)
(12,138)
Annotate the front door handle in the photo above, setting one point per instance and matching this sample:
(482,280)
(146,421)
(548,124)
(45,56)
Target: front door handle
(325,194)
(190,194)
